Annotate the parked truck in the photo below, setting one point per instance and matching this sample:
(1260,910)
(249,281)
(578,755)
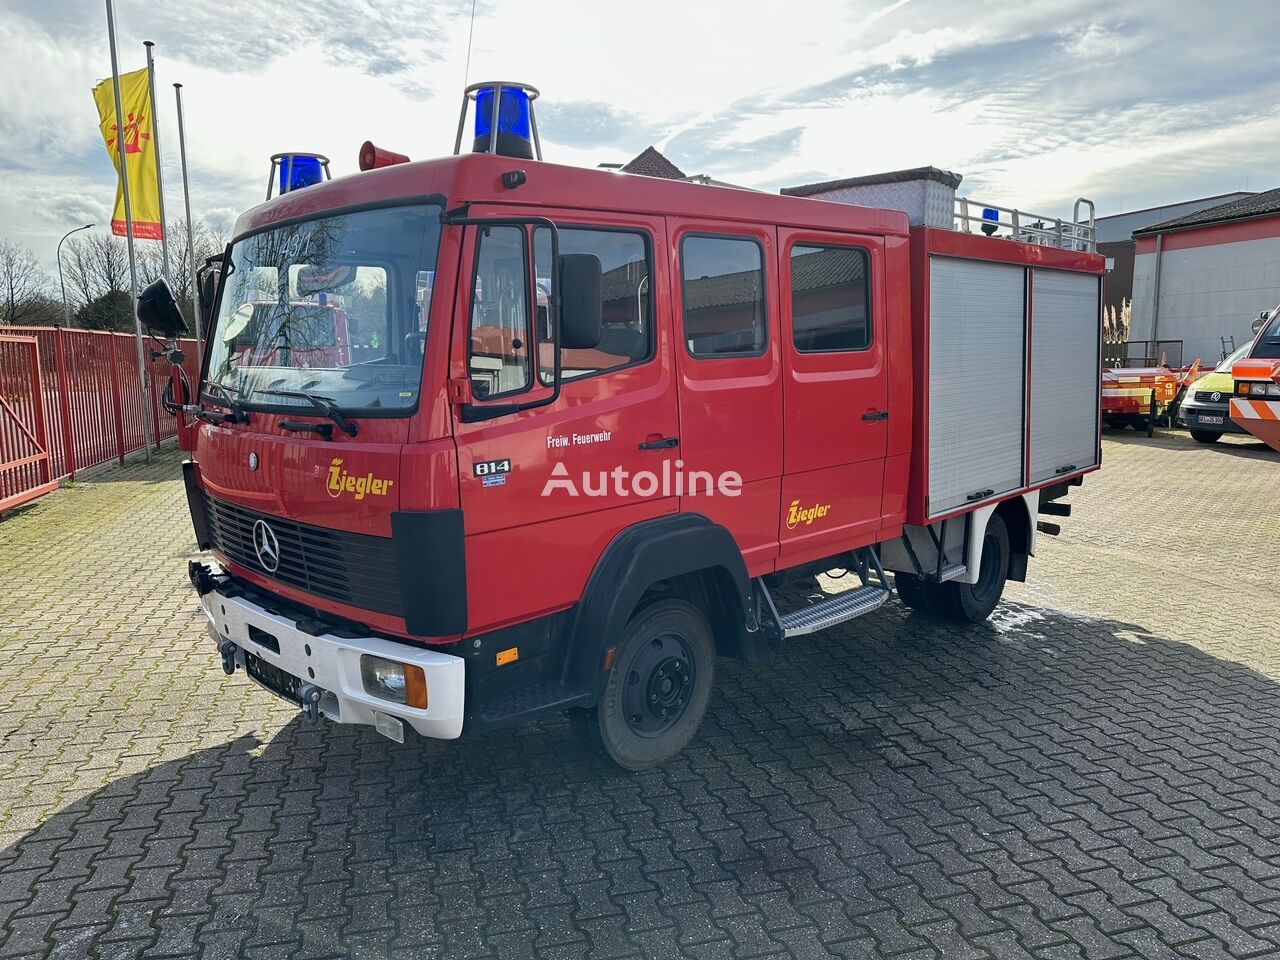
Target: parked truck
(620,433)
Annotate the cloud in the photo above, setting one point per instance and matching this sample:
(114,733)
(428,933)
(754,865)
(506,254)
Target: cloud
(1035,102)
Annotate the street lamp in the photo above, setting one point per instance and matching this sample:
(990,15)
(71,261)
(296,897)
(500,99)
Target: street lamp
(66,310)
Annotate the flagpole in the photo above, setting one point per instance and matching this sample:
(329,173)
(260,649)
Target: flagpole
(155,139)
(122,150)
(191,233)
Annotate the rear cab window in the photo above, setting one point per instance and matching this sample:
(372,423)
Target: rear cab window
(724,296)
(830,298)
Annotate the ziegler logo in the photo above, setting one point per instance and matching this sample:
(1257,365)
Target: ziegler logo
(341,482)
(806,515)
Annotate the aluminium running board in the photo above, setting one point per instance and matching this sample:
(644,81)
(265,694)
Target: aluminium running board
(837,609)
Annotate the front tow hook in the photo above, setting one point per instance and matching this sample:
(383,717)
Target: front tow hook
(228,651)
(310,696)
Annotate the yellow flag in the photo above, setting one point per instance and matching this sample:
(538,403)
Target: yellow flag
(140,151)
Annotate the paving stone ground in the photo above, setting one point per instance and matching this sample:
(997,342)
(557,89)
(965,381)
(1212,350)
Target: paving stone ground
(1095,774)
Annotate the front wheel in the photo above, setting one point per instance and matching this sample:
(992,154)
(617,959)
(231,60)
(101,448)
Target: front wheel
(1206,436)
(658,689)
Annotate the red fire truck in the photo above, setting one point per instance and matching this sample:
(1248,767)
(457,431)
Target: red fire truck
(613,424)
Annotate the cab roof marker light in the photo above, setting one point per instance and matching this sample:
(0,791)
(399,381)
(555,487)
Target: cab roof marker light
(505,124)
(296,171)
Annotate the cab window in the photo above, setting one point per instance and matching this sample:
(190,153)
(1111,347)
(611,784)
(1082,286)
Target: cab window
(830,299)
(724,306)
(626,335)
(499,355)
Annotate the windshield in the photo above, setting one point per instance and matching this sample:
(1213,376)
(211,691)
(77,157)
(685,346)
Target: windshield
(335,307)
(1225,365)
(1267,346)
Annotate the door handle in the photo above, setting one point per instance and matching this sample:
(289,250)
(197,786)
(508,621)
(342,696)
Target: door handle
(662,443)
(876,415)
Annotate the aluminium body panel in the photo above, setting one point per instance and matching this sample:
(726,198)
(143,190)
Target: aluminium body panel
(1065,321)
(977,350)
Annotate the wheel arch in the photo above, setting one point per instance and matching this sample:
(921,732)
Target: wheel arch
(1018,514)
(684,555)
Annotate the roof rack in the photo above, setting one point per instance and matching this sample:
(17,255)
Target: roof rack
(1012,224)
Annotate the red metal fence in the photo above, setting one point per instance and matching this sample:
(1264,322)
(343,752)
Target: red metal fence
(75,395)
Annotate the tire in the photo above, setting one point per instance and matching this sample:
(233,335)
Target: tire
(973,602)
(915,593)
(1206,436)
(643,718)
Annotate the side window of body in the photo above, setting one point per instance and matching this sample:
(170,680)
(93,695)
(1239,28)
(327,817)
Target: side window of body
(498,356)
(626,336)
(830,298)
(724,296)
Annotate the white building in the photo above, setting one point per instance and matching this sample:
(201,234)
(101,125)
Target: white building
(1206,276)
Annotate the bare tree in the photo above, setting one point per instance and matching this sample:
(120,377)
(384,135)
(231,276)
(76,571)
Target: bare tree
(207,242)
(95,266)
(23,284)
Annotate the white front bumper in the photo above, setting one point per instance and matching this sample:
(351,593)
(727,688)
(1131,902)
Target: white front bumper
(333,664)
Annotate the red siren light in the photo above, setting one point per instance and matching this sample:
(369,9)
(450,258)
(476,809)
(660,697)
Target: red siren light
(372,157)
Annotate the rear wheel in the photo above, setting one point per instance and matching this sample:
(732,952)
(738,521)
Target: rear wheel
(973,602)
(915,593)
(1206,436)
(965,602)
(658,689)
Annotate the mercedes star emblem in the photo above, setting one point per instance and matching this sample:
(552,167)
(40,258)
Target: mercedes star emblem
(253,461)
(267,546)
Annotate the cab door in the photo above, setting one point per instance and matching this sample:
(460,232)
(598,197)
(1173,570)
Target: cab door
(834,393)
(728,357)
(537,486)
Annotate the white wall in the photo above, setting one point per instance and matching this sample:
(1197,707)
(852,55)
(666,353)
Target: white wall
(1207,293)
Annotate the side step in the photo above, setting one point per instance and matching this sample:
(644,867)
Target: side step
(842,607)
(839,609)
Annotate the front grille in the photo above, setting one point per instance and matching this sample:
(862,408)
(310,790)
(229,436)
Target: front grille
(351,568)
(1206,396)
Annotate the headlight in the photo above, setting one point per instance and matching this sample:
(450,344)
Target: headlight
(392,681)
(1258,391)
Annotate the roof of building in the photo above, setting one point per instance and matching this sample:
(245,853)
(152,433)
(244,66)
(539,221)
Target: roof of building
(1245,208)
(651,163)
(945,177)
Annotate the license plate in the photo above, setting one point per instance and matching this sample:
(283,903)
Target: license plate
(273,678)
(1211,421)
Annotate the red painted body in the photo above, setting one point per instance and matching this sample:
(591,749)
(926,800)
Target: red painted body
(791,424)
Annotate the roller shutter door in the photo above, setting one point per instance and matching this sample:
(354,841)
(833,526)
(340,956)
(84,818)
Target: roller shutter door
(1065,373)
(977,356)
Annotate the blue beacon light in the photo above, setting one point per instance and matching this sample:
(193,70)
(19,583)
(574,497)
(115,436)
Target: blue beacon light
(296,171)
(505,124)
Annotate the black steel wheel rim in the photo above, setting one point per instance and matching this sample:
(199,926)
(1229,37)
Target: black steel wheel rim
(989,570)
(658,685)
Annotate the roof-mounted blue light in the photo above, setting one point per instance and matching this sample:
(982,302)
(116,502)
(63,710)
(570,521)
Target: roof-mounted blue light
(297,170)
(505,124)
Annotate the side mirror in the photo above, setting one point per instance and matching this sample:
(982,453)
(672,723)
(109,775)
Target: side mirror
(581,301)
(1260,322)
(159,313)
(207,288)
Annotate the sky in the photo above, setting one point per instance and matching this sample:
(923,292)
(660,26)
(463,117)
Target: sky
(1035,102)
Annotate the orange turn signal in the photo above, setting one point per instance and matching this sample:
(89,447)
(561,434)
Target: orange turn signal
(415,686)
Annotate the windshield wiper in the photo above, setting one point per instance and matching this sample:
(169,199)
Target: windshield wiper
(238,413)
(326,405)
